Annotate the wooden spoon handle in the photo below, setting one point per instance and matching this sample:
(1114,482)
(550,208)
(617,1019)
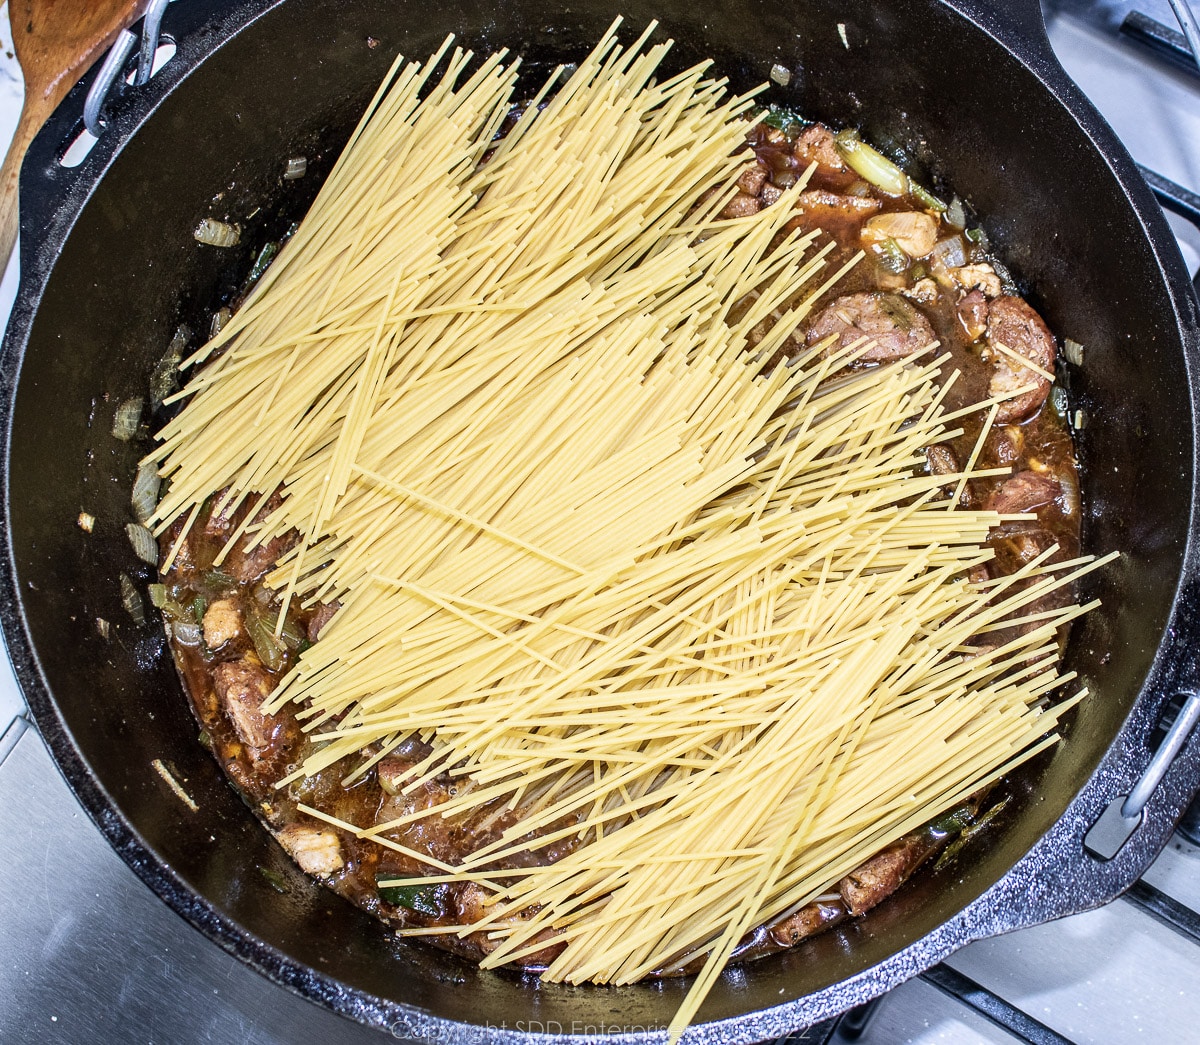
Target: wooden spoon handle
(34,113)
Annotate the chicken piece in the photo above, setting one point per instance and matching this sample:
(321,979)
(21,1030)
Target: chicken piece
(1024,492)
(222,623)
(816,144)
(972,312)
(1017,328)
(741,206)
(840,216)
(914,232)
(896,327)
(241,686)
(317,850)
(924,291)
(752,179)
(874,881)
(978,277)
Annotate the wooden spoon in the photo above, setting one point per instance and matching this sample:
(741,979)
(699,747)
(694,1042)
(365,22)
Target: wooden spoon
(56,42)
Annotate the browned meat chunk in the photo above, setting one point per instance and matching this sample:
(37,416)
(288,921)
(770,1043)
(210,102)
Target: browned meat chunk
(752,179)
(876,880)
(317,850)
(897,327)
(811,919)
(942,459)
(241,686)
(769,194)
(972,314)
(248,565)
(816,145)
(1024,492)
(323,615)
(222,623)
(1017,546)
(840,216)
(741,206)
(1016,330)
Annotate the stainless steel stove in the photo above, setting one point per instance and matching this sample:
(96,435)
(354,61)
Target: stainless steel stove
(89,954)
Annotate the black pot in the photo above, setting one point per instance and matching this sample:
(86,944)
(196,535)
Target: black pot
(110,268)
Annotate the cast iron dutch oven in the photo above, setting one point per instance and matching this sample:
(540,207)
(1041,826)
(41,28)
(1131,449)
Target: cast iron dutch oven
(110,268)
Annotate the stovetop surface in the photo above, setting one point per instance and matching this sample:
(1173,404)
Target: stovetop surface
(89,954)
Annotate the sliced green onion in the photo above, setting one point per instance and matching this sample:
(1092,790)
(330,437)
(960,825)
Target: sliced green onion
(871,165)
(262,635)
(891,255)
(925,197)
(145,491)
(424,899)
(265,257)
(127,418)
(274,879)
(158,595)
(145,547)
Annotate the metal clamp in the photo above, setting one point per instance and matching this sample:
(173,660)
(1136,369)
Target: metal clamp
(115,61)
(1157,768)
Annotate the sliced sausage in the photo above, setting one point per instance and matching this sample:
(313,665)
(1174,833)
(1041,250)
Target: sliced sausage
(1020,330)
(1024,492)
(896,326)
(811,919)
(874,881)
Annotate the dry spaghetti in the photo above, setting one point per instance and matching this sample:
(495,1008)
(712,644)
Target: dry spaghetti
(628,572)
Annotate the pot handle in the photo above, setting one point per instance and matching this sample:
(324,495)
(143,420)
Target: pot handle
(1117,825)
(74,148)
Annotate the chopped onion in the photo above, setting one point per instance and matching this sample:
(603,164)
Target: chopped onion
(103,627)
(950,252)
(127,418)
(219,319)
(780,75)
(217,233)
(132,601)
(87,522)
(1073,350)
(296,167)
(913,231)
(165,378)
(145,490)
(187,632)
(956,214)
(145,547)
(870,164)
